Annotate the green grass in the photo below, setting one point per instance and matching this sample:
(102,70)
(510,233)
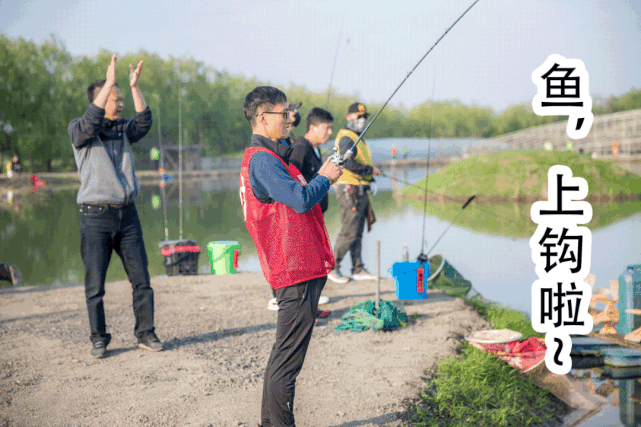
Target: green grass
(523,174)
(478,389)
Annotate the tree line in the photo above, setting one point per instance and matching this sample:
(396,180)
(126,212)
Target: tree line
(42,87)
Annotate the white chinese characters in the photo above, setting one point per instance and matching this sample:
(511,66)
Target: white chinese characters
(561,251)
(563,91)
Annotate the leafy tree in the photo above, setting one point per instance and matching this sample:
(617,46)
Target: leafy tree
(42,87)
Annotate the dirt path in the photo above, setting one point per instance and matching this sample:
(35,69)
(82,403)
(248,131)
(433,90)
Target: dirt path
(218,334)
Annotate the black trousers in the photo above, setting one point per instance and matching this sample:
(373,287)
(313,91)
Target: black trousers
(104,230)
(353,220)
(297,306)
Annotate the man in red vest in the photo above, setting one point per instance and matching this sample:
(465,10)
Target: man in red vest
(285,221)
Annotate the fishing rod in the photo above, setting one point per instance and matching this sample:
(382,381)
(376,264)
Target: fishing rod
(424,258)
(338,43)
(336,157)
(162,188)
(453,199)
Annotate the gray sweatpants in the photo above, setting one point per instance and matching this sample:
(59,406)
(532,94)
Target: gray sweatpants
(297,306)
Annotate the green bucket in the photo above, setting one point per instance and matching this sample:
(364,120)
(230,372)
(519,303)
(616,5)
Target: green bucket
(223,256)
(446,278)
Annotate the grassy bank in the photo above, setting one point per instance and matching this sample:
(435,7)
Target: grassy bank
(513,219)
(478,389)
(522,176)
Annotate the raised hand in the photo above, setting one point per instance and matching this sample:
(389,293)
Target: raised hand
(111,72)
(134,74)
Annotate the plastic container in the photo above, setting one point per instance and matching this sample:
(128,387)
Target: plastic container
(629,297)
(223,256)
(411,280)
(181,257)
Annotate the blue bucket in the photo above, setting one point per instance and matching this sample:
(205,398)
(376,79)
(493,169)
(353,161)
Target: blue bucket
(411,281)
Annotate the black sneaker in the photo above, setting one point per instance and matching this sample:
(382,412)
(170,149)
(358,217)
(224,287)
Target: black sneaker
(150,342)
(99,350)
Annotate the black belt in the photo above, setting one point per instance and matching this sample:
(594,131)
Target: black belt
(109,205)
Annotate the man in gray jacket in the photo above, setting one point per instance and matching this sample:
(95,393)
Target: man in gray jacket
(109,220)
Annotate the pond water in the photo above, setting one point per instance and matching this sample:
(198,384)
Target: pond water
(617,392)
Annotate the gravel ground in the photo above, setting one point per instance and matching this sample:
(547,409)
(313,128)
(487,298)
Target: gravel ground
(218,334)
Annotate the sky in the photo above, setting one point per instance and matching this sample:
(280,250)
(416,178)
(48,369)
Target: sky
(486,59)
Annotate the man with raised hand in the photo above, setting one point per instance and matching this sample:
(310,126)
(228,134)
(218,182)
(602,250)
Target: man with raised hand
(284,219)
(109,219)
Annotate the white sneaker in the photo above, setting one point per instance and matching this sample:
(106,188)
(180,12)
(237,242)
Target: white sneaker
(323,300)
(363,275)
(272,304)
(337,277)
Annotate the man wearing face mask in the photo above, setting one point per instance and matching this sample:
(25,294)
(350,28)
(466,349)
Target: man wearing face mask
(351,194)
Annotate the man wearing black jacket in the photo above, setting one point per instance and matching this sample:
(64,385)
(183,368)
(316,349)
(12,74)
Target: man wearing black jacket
(305,152)
(307,158)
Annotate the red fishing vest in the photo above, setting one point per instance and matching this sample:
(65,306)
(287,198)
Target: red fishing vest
(292,247)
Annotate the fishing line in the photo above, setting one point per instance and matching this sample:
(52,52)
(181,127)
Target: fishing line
(338,43)
(337,158)
(427,171)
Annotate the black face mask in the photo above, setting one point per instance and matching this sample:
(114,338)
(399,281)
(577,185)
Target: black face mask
(296,119)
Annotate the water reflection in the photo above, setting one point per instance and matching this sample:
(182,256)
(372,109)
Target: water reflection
(617,390)
(489,245)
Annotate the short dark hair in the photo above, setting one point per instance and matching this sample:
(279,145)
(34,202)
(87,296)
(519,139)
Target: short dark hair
(95,87)
(262,96)
(318,116)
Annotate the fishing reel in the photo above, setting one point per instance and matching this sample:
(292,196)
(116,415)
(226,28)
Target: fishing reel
(336,158)
(422,258)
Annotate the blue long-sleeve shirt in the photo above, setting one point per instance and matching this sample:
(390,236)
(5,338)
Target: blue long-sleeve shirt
(269,179)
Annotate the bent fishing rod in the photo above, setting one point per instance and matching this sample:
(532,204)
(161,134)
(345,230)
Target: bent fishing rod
(336,157)
(424,257)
